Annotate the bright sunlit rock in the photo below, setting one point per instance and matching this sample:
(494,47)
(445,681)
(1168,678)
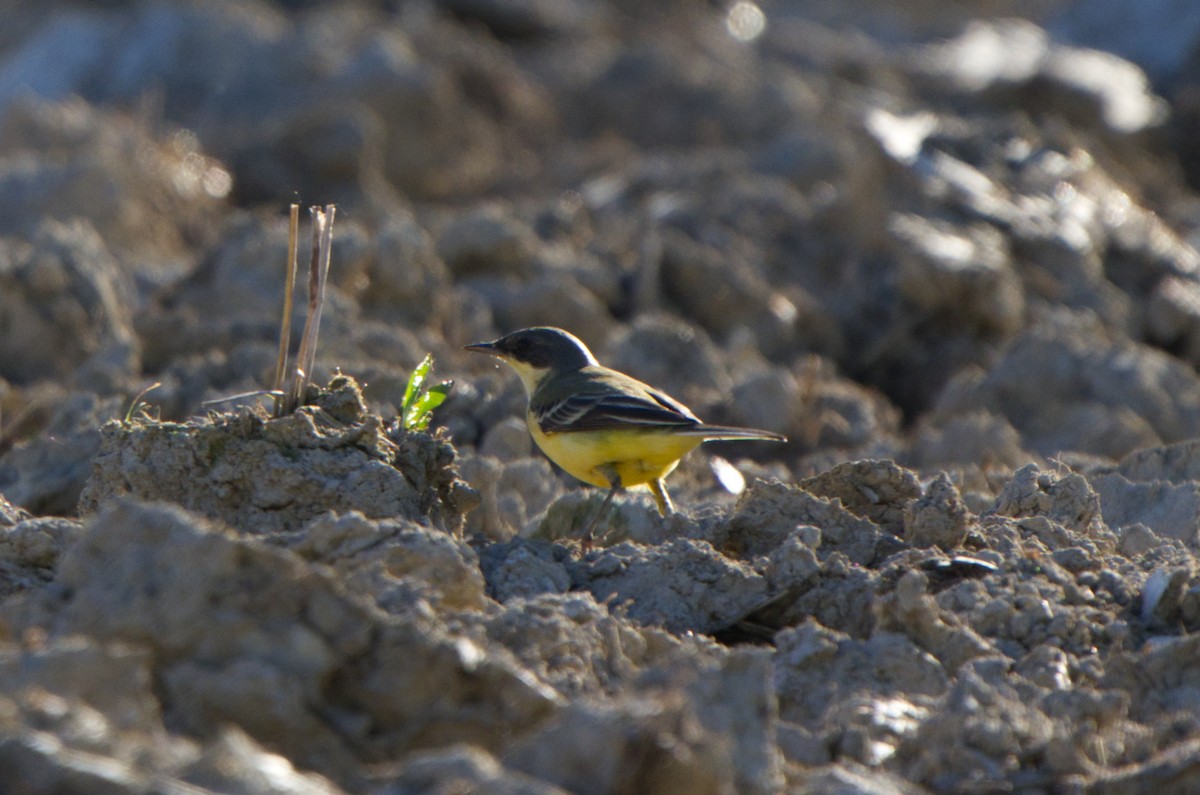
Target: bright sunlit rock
(745,21)
(727,475)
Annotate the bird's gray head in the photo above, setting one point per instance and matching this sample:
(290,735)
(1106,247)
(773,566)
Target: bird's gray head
(536,352)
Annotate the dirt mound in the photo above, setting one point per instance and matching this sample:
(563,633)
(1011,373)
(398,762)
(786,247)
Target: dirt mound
(952,257)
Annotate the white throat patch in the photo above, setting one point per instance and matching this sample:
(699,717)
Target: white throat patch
(530,376)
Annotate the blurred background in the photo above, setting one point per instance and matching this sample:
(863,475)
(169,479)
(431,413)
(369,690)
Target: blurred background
(957,234)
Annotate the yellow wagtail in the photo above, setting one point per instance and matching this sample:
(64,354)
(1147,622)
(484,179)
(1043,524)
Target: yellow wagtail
(600,425)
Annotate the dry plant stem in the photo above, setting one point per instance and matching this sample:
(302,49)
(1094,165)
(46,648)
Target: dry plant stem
(318,267)
(243,395)
(138,398)
(299,382)
(285,326)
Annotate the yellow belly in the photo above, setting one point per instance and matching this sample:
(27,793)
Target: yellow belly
(637,456)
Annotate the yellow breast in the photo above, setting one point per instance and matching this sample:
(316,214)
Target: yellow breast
(638,456)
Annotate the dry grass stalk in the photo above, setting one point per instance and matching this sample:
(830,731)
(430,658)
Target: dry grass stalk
(318,268)
(285,326)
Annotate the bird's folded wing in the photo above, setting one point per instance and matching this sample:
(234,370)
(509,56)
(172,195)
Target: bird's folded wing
(593,411)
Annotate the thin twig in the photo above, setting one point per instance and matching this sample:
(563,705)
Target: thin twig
(318,267)
(242,396)
(285,326)
(299,382)
(138,398)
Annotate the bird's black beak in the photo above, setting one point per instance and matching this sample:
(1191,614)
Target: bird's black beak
(482,347)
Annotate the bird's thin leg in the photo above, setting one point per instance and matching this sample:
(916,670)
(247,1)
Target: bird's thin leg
(615,481)
(661,498)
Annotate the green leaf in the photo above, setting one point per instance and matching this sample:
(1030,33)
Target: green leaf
(422,410)
(432,399)
(416,381)
(419,401)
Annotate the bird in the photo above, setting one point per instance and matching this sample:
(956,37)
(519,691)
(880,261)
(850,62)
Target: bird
(603,427)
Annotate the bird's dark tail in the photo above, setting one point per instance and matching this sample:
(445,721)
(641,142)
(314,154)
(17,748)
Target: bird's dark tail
(712,433)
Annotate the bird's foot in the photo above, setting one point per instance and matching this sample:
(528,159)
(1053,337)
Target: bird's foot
(588,537)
